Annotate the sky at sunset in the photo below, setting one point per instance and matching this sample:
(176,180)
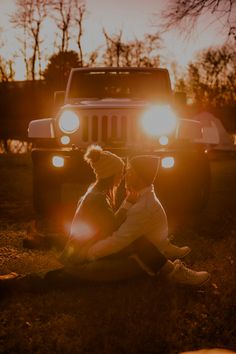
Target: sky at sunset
(134,17)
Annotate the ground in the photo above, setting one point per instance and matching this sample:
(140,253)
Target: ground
(138,316)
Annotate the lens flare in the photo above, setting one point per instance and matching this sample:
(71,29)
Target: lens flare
(69,122)
(159,120)
(168,162)
(58,161)
(82,231)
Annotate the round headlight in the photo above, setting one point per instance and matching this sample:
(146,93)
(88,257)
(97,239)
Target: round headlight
(159,120)
(69,122)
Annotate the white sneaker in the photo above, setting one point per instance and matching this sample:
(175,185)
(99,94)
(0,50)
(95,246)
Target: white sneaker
(172,252)
(183,275)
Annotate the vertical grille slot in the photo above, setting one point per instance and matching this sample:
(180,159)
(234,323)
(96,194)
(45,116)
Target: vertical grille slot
(104,128)
(123,128)
(114,127)
(131,129)
(95,128)
(85,128)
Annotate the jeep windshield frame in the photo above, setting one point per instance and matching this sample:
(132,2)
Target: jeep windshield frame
(119,83)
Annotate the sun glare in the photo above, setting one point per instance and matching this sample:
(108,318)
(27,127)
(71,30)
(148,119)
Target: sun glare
(82,231)
(159,121)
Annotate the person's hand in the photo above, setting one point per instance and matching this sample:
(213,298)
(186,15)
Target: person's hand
(132,196)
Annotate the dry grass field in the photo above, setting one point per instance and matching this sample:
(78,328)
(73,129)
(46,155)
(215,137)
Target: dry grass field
(136,316)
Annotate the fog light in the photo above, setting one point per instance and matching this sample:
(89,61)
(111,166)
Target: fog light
(65,139)
(163,140)
(58,161)
(168,162)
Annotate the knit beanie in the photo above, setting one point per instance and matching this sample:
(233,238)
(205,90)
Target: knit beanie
(146,167)
(104,163)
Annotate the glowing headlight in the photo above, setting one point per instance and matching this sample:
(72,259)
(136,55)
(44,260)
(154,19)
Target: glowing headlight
(69,122)
(159,120)
(168,162)
(58,161)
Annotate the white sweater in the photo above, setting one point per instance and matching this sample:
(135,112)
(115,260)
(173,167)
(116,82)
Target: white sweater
(145,218)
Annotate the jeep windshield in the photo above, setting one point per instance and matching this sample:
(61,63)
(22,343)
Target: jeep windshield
(141,85)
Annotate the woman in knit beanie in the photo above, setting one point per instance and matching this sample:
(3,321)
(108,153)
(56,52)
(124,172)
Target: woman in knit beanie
(94,218)
(108,169)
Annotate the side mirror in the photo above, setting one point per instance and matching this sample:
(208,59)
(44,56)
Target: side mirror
(180,99)
(59,98)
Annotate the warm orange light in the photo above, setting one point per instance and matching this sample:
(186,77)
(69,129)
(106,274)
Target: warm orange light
(159,120)
(81,231)
(168,162)
(58,161)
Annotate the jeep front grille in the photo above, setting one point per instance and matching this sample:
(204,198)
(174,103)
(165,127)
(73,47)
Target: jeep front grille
(114,128)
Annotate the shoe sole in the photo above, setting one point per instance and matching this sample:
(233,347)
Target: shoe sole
(184,255)
(204,282)
(196,286)
(190,285)
(179,257)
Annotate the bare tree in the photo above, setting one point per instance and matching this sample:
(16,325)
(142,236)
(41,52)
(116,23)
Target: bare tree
(186,13)
(146,52)
(79,13)
(114,48)
(212,77)
(29,17)
(140,53)
(62,14)
(92,59)
(6,66)
(7,72)
(23,39)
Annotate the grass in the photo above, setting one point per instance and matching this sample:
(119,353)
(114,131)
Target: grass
(136,316)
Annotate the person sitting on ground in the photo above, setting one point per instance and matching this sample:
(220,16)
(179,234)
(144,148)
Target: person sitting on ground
(145,225)
(95,210)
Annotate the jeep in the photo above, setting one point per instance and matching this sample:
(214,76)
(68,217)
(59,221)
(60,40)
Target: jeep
(128,111)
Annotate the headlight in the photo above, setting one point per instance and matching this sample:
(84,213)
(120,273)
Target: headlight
(159,120)
(168,162)
(69,122)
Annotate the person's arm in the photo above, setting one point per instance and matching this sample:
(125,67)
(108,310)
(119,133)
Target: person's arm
(121,214)
(94,215)
(137,224)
